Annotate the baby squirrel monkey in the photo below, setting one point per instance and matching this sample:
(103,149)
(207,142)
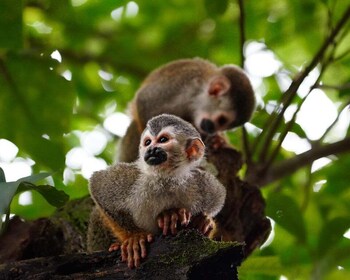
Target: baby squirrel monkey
(162,189)
(211,98)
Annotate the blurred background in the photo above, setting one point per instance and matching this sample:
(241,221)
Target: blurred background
(69,68)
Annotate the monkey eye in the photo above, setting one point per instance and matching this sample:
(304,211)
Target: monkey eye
(147,142)
(163,139)
(222,120)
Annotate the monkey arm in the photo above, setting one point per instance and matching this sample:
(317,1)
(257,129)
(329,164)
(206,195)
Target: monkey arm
(109,189)
(132,239)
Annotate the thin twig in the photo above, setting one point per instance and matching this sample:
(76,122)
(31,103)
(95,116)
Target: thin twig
(246,147)
(276,117)
(335,87)
(241,31)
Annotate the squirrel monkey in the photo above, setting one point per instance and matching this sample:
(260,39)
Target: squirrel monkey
(162,189)
(209,97)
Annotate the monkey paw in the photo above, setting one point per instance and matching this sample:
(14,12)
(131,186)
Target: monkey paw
(169,220)
(133,248)
(216,142)
(203,223)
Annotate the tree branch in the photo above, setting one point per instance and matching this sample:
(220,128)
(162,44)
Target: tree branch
(289,166)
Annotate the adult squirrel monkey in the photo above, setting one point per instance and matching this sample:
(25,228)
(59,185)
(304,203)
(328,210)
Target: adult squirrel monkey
(209,97)
(159,192)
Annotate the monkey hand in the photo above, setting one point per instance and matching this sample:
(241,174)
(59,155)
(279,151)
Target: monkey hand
(133,248)
(169,219)
(216,142)
(203,223)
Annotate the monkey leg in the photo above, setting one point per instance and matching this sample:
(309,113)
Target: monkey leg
(133,248)
(169,220)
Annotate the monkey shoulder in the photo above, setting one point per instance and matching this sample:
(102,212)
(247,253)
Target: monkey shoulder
(206,179)
(110,187)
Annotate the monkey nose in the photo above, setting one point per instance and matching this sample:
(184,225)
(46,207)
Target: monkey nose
(155,156)
(208,126)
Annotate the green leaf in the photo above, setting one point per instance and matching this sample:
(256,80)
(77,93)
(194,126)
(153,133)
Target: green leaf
(53,196)
(40,103)
(285,211)
(298,130)
(34,178)
(9,189)
(216,7)
(11,24)
(331,233)
(2,176)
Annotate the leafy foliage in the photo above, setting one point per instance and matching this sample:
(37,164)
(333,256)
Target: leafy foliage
(55,197)
(66,66)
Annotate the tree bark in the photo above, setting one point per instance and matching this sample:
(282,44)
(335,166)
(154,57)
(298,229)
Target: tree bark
(168,258)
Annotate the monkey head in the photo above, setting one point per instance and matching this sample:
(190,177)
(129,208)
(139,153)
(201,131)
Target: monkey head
(227,101)
(169,145)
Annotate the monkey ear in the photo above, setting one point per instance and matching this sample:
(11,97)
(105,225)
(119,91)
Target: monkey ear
(218,86)
(195,149)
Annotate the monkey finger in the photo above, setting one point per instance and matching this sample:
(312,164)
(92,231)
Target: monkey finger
(173,224)
(166,224)
(136,252)
(114,247)
(207,228)
(188,217)
(124,251)
(142,243)
(130,252)
(149,237)
(183,216)
(160,221)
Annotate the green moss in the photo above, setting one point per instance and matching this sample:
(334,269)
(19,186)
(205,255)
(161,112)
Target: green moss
(200,247)
(76,212)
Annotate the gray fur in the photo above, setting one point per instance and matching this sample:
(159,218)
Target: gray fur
(156,124)
(134,198)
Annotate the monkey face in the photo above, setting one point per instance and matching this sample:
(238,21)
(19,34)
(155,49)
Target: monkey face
(169,144)
(157,150)
(210,122)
